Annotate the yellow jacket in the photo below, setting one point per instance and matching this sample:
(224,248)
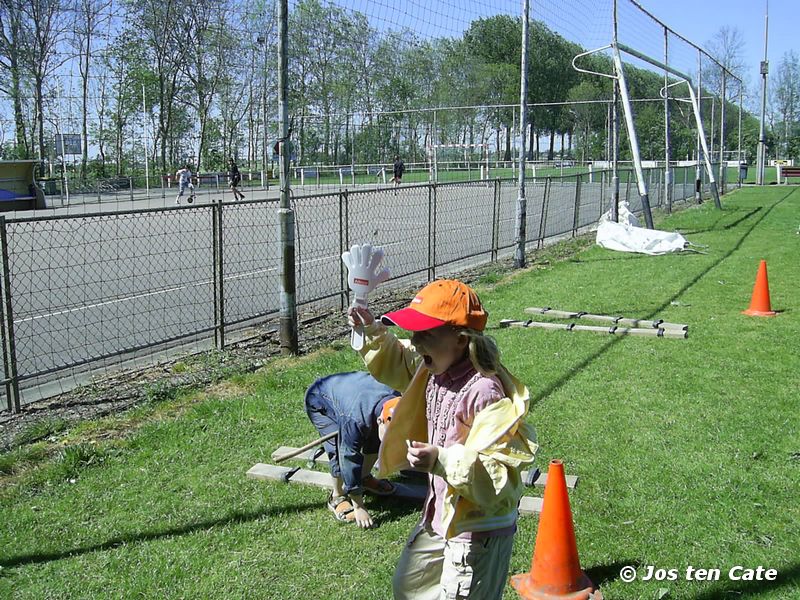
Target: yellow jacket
(483,474)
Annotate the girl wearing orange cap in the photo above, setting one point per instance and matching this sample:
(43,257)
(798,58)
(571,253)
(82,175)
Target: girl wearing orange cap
(461,419)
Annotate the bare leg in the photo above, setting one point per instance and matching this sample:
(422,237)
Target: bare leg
(338,487)
(369,462)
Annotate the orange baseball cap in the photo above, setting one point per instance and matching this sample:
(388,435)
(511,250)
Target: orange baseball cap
(388,409)
(443,302)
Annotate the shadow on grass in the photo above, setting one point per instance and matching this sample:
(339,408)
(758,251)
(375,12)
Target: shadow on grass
(610,258)
(388,509)
(603,574)
(788,575)
(729,226)
(564,379)
(146,536)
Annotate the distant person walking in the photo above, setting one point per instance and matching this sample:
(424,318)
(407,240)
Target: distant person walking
(399,169)
(184,177)
(234,179)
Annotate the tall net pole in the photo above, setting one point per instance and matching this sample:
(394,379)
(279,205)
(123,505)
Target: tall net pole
(288,306)
(615,154)
(629,123)
(667,177)
(519,256)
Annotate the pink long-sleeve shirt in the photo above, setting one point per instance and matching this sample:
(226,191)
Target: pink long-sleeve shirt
(452,400)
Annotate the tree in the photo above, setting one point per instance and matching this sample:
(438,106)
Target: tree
(13,77)
(203,38)
(125,64)
(727,46)
(786,96)
(42,29)
(89,16)
(590,118)
(155,20)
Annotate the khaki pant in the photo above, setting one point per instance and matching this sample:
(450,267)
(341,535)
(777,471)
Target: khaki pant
(432,568)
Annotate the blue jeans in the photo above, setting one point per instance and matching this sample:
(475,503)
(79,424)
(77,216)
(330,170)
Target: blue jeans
(348,404)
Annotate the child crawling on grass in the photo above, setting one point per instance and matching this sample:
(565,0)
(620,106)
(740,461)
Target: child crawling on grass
(357,408)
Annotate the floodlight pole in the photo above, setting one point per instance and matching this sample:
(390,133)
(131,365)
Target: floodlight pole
(288,306)
(435,138)
(762,137)
(353,149)
(144,135)
(667,172)
(722,167)
(739,149)
(713,124)
(519,255)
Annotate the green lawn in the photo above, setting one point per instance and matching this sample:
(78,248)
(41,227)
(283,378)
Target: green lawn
(688,451)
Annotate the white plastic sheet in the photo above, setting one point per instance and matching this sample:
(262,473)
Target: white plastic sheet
(626,217)
(627,238)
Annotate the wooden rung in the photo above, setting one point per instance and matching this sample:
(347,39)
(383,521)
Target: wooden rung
(527,505)
(276,473)
(572,480)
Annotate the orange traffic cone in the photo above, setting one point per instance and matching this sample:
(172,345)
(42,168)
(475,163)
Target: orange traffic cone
(555,570)
(759,303)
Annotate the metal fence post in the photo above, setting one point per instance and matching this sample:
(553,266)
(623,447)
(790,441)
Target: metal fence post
(628,188)
(432,232)
(9,342)
(495,219)
(545,208)
(602,192)
(346,237)
(130,186)
(577,210)
(219,294)
(520,233)
(288,295)
(342,248)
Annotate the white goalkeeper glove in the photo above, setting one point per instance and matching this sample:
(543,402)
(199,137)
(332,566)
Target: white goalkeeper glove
(363,275)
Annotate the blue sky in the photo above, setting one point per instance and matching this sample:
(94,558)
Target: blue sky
(698,20)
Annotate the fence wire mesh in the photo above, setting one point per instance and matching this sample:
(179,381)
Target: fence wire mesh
(251,260)
(94,290)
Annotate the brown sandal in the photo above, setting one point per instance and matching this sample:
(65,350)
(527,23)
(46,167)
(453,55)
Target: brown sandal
(379,487)
(341,508)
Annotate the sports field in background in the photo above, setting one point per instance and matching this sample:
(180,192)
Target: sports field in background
(329,177)
(687,451)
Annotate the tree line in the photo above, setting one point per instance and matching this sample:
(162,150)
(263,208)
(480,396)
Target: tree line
(198,82)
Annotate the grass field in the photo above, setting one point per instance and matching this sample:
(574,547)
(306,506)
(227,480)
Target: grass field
(688,451)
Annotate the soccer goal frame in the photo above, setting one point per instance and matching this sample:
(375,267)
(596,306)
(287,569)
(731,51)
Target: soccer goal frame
(433,159)
(621,84)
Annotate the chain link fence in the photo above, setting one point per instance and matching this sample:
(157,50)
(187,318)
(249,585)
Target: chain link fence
(92,290)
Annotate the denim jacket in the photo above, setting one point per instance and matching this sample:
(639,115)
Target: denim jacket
(354,401)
